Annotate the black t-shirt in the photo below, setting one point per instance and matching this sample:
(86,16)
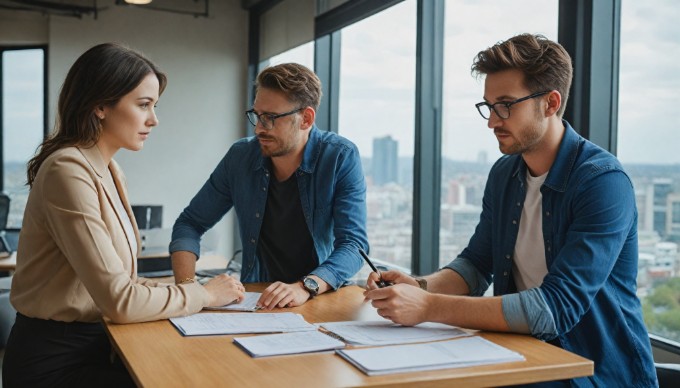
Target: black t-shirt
(285,246)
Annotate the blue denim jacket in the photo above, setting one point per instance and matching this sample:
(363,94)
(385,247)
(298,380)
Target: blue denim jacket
(332,193)
(591,249)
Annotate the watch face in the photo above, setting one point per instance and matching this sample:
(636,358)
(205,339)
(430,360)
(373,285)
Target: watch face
(311,284)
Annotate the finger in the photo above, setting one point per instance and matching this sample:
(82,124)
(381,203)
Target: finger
(273,290)
(287,301)
(276,300)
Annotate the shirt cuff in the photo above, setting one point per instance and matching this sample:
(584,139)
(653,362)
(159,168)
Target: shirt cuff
(327,276)
(473,278)
(185,244)
(527,312)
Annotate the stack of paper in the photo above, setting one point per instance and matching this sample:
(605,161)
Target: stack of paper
(241,323)
(249,303)
(428,356)
(288,343)
(388,333)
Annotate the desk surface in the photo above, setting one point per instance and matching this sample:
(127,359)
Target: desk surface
(157,356)
(9,263)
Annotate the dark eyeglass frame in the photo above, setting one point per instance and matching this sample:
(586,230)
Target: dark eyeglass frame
(507,105)
(268,122)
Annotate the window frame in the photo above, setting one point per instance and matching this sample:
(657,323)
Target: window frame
(4,49)
(588,29)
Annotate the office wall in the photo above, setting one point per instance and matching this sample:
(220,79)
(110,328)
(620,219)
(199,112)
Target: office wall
(201,111)
(22,28)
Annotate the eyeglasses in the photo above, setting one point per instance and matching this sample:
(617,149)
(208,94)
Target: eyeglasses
(502,108)
(267,119)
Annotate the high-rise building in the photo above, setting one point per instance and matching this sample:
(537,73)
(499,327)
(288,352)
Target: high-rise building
(385,161)
(673,217)
(662,187)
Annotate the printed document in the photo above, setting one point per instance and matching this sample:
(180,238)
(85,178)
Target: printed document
(428,356)
(241,323)
(248,303)
(388,333)
(287,343)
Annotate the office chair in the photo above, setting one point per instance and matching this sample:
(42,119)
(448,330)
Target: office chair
(7,312)
(4,214)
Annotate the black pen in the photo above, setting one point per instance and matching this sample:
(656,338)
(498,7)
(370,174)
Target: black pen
(381,283)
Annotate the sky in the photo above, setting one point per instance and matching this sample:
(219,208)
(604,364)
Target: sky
(22,74)
(377,83)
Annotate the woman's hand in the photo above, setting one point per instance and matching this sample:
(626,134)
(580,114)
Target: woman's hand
(223,290)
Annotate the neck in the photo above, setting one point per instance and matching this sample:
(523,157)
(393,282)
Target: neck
(541,158)
(106,151)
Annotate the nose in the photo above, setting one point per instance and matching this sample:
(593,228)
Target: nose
(494,120)
(152,121)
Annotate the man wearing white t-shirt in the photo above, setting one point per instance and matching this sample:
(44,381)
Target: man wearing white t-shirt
(557,235)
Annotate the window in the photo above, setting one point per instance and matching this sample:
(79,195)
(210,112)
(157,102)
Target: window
(302,54)
(468,146)
(23,122)
(648,148)
(376,112)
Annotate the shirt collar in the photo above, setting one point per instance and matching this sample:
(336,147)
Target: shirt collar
(558,175)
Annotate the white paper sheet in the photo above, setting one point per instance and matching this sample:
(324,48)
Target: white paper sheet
(428,356)
(388,333)
(287,343)
(248,303)
(241,323)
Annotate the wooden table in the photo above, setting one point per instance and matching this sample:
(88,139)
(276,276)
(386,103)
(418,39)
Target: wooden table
(158,356)
(9,263)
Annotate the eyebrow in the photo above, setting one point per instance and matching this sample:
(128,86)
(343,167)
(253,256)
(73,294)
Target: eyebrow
(503,98)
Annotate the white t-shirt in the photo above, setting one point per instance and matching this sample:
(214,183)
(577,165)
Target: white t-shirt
(529,266)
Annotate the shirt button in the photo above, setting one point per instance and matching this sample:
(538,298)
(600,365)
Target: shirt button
(264,189)
(252,240)
(514,222)
(518,204)
(507,257)
(547,214)
(257,215)
(548,249)
(505,273)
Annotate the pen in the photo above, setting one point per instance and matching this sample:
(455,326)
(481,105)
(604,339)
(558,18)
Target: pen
(381,283)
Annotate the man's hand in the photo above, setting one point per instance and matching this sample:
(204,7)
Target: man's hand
(405,304)
(394,277)
(224,289)
(283,295)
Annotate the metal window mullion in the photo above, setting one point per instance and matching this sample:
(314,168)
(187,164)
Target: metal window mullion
(428,133)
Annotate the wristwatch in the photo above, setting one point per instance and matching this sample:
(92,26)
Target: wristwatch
(311,286)
(422,282)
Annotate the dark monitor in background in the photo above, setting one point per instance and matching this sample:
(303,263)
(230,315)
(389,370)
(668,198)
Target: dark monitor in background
(148,216)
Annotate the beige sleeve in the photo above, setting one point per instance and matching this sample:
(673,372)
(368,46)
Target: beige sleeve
(74,205)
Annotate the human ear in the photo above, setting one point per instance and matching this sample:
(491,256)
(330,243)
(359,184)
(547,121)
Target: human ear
(99,112)
(554,103)
(308,116)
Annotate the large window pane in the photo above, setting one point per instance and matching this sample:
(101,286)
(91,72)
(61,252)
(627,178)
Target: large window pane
(376,112)
(302,54)
(22,124)
(468,145)
(648,146)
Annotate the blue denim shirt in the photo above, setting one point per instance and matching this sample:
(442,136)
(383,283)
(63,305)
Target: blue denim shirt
(332,193)
(591,249)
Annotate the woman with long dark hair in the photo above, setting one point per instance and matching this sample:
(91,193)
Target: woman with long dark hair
(76,259)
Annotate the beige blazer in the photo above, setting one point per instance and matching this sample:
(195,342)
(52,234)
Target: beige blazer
(74,260)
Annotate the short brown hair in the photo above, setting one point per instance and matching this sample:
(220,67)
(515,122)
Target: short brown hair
(297,82)
(546,65)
